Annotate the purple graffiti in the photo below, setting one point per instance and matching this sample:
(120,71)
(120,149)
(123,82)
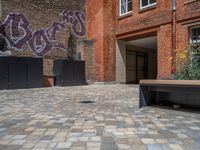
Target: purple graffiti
(76,19)
(51,31)
(79,23)
(15,29)
(40,43)
(15,23)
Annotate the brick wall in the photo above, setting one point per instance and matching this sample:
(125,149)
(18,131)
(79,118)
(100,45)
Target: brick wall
(101,29)
(182,43)
(109,40)
(88,56)
(188,15)
(156,16)
(164,51)
(159,19)
(188,10)
(104,26)
(41,14)
(94,13)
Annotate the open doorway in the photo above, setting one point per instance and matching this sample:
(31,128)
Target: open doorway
(136,66)
(141,59)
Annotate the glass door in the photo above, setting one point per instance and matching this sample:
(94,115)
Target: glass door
(137,66)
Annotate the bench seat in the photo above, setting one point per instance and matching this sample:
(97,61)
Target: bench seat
(185,92)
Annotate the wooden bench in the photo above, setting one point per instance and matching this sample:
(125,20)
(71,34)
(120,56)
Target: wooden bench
(184,92)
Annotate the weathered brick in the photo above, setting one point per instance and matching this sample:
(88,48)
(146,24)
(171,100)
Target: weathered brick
(104,26)
(41,14)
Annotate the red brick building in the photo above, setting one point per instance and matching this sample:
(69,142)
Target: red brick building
(137,39)
(127,40)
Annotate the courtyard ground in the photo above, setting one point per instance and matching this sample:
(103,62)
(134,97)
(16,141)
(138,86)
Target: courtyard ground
(54,118)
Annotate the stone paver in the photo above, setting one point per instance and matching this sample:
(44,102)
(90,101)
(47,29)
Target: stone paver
(54,118)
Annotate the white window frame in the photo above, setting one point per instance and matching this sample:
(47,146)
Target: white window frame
(191,41)
(149,5)
(127,12)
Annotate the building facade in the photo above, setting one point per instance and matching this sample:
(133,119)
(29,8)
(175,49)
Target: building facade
(140,39)
(42,28)
(124,40)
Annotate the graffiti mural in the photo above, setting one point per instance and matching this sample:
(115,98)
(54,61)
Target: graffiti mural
(16,31)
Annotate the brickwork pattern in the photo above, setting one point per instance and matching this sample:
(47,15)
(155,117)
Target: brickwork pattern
(160,19)
(101,29)
(94,13)
(182,45)
(188,10)
(41,14)
(164,51)
(139,20)
(88,51)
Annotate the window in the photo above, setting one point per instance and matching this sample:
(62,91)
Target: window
(147,3)
(195,35)
(195,44)
(125,7)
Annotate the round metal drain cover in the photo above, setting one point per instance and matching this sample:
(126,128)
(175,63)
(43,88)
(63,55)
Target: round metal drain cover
(86,102)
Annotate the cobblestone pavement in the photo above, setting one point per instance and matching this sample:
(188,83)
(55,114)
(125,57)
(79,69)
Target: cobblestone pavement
(54,118)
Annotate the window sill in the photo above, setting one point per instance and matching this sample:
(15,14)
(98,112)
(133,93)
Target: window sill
(147,8)
(189,1)
(125,15)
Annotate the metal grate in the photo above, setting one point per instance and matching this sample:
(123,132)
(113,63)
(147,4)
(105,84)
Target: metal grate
(86,102)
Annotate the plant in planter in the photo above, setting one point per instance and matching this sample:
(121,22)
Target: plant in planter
(189,70)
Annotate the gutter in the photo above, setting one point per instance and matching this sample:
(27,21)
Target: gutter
(173,71)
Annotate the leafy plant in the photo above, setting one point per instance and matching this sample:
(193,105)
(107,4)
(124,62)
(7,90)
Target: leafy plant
(190,72)
(191,69)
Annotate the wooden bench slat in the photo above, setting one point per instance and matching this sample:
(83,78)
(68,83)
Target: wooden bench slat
(171,82)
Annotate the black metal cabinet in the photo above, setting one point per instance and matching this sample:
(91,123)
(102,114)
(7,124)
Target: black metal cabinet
(21,72)
(35,73)
(4,73)
(79,73)
(68,73)
(17,73)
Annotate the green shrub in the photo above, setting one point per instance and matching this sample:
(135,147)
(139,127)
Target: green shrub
(190,72)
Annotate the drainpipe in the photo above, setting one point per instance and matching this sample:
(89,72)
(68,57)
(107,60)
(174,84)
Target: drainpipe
(173,71)
(1,10)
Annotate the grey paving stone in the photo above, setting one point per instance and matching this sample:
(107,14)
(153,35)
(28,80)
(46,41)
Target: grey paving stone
(109,147)
(48,137)
(49,118)
(99,130)
(9,147)
(153,147)
(108,140)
